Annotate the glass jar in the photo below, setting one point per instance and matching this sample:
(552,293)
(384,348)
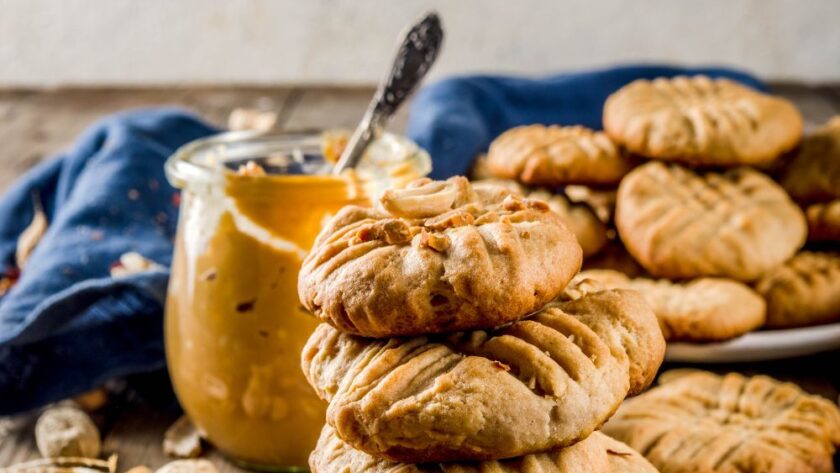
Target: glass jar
(234,325)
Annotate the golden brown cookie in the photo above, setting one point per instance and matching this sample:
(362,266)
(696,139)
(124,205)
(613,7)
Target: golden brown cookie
(557,155)
(589,230)
(437,257)
(804,291)
(701,310)
(602,201)
(595,454)
(535,385)
(615,257)
(702,121)
(823,221)
(814,172)
(705,423)
(681,224)
(479,169)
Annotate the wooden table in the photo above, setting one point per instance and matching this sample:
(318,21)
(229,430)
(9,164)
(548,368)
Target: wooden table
(35,124)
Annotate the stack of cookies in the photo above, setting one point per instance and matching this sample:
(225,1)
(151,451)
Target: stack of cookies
(453,340)
(700,194)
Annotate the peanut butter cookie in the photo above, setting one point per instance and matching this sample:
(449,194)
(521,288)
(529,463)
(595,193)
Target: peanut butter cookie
(580,218)
(701,121)
(705,423)
(823,221)
(803,291)
(614,256)
(814,172)
(595,454)
(532,386)
(602,201)
(557,155)
(680,224)
(437,257)
(589,230)
(702,310)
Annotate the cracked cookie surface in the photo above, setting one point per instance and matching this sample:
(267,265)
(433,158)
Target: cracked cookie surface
(595,454)
(557,155)
(538,384)
(438,256)
(706,423)
(702,121)
(681,224)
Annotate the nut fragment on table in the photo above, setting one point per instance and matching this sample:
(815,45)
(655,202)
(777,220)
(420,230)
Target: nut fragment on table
(188,466)
(65,465)
(182,439)
(242,119)
(67,432)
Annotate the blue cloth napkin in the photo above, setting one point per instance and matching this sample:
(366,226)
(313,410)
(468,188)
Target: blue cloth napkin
(67,326)
(457,118)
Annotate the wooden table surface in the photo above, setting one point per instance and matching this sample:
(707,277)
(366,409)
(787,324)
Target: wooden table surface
(36,124)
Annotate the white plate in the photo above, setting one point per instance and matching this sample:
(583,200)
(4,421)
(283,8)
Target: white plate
(759,346)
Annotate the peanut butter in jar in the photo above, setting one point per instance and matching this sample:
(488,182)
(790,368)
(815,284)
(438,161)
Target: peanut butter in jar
(251,207)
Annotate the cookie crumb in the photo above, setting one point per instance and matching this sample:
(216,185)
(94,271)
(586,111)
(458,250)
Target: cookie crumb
(513,203)
(453,219)
(392,232)
(537,204)
(436,241)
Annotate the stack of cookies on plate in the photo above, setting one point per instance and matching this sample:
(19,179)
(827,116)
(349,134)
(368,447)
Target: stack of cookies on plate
(700,194)
(453,340)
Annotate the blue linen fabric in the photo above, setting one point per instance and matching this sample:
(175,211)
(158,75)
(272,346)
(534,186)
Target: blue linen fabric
(457,118)
(67,326)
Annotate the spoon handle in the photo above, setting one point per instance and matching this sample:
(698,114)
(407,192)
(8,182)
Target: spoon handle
(417,52)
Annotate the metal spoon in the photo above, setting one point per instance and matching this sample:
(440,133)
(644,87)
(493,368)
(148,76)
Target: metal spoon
(418,50)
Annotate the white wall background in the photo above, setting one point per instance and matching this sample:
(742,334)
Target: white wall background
(349,42)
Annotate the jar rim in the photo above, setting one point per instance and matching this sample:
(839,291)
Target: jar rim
(195,162)
(182,167)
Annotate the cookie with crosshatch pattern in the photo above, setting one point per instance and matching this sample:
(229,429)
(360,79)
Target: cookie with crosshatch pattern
(707,423)
(803,291)
(701,121)
(680,224)
(813,174)
(535,385)
(557,155)
(595,454)
(580,218)
(699,310)
(437,256)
